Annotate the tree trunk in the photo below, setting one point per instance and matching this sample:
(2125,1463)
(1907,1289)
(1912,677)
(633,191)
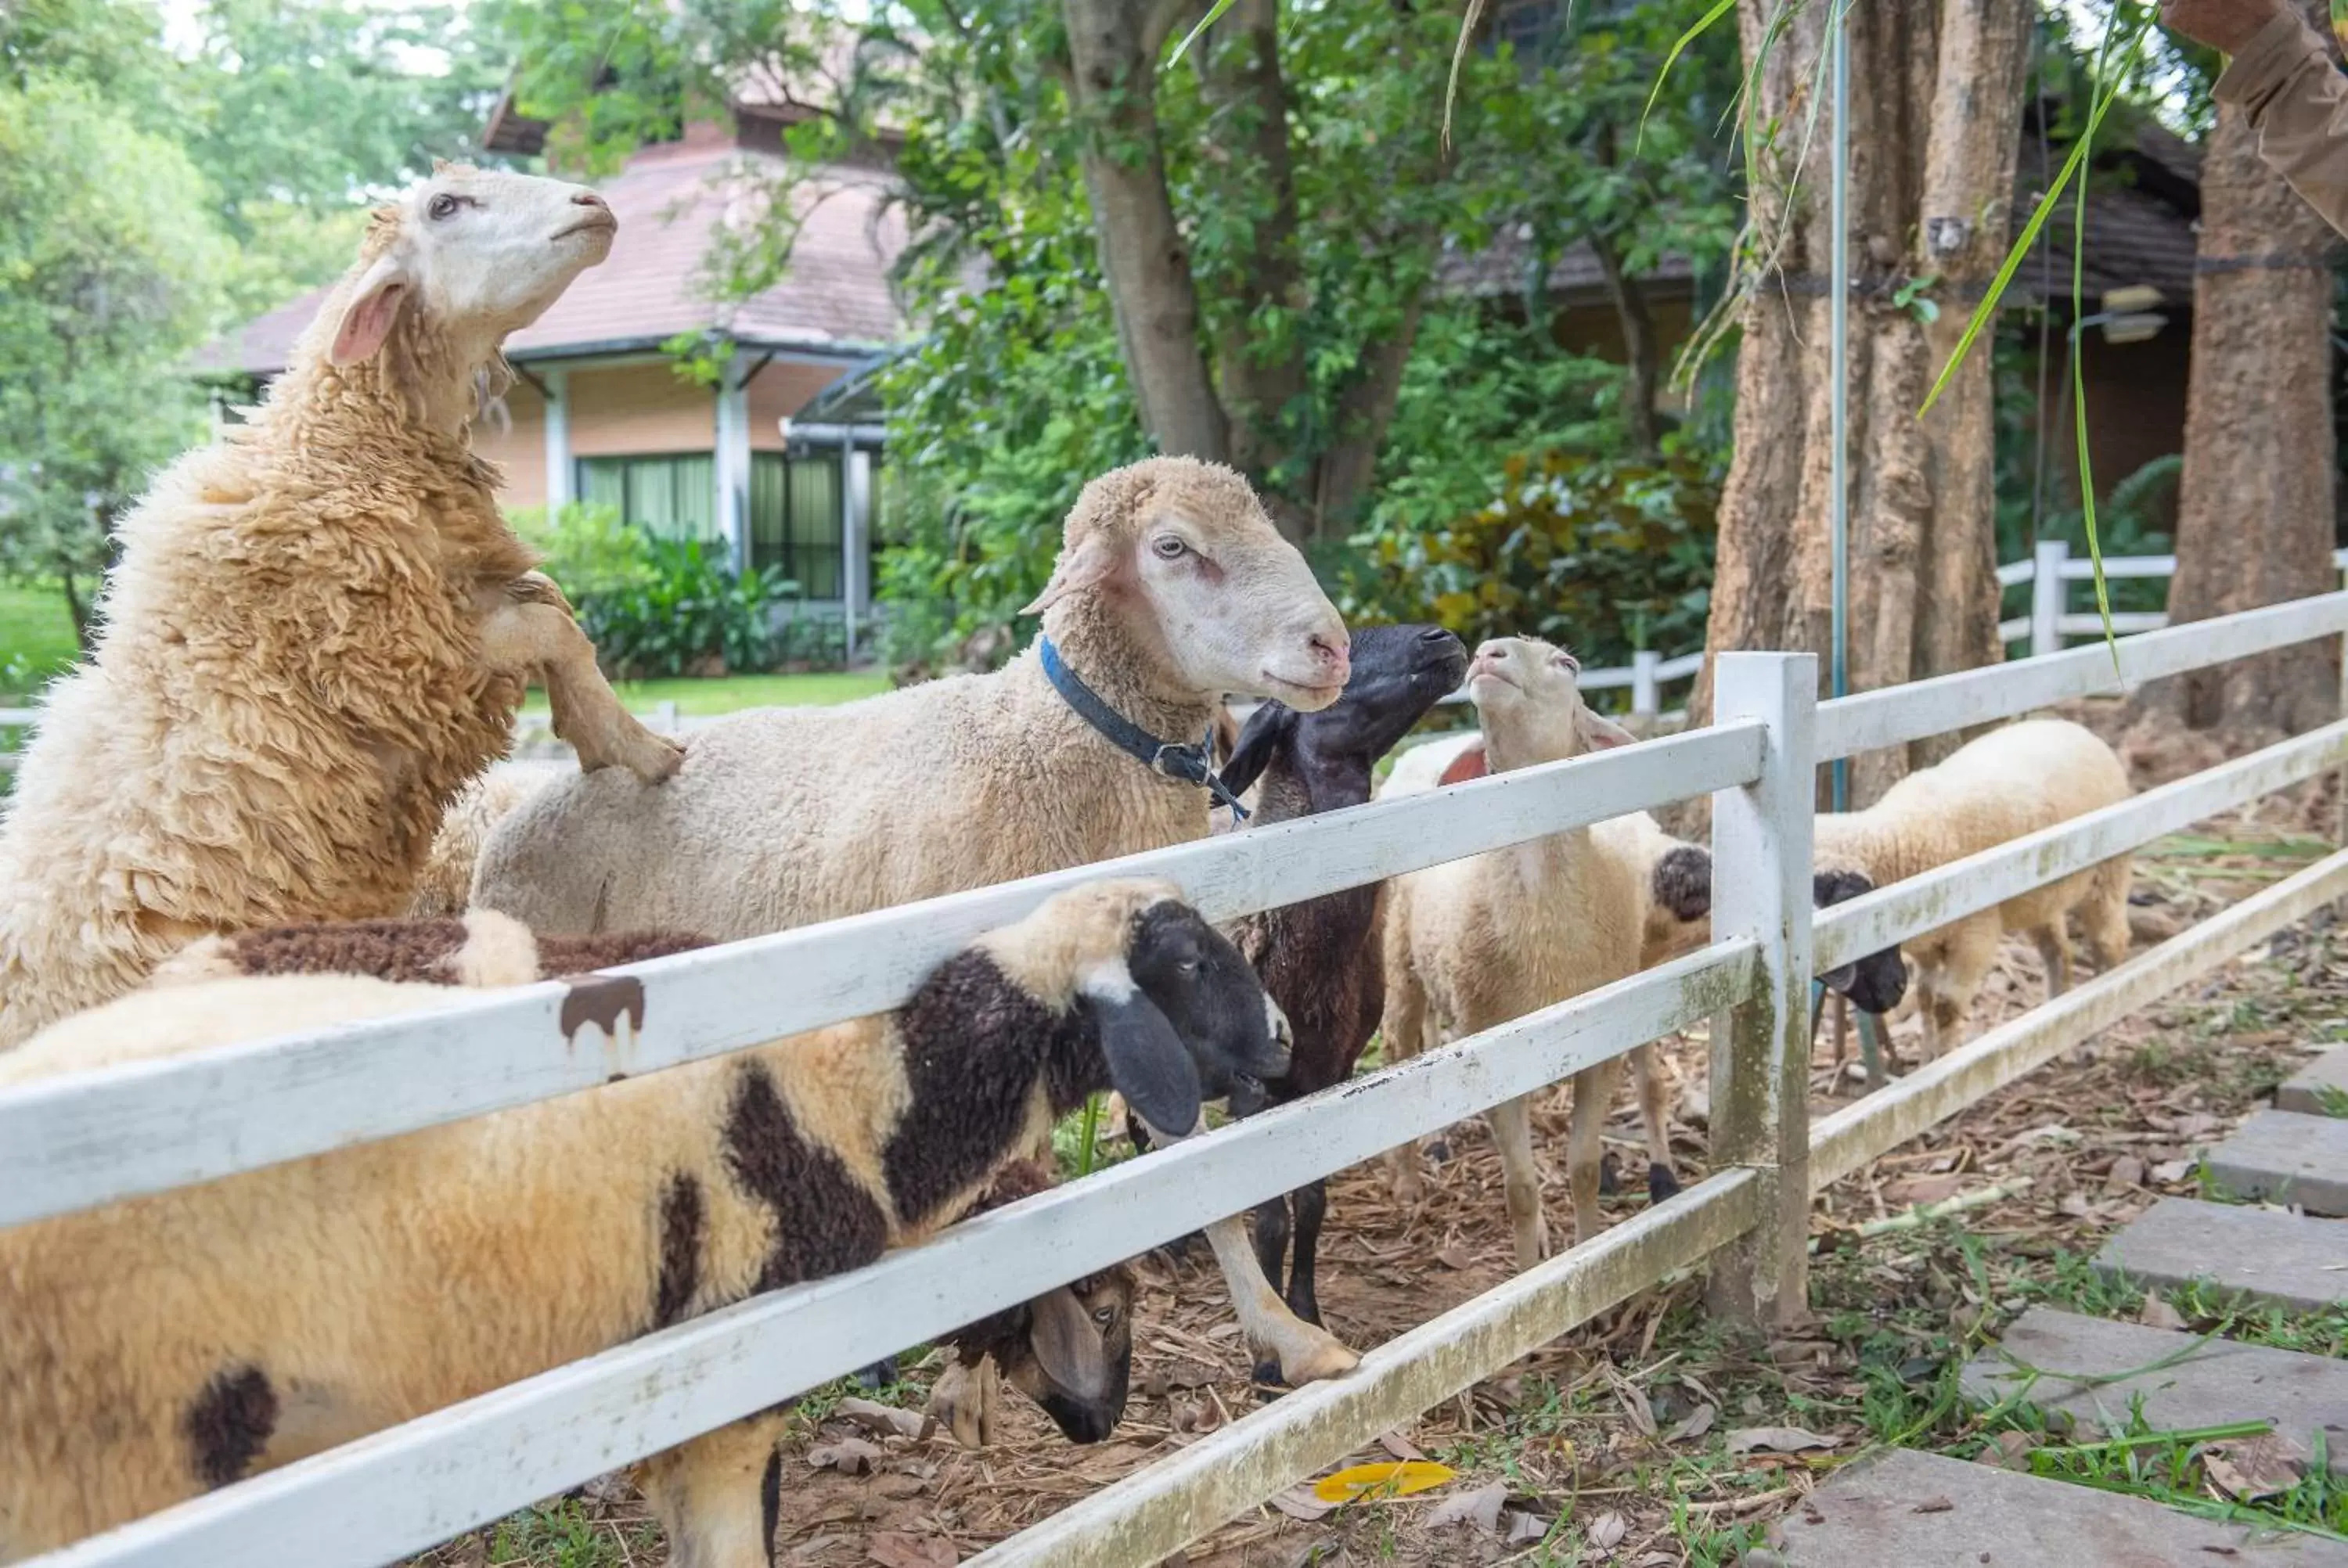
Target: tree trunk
(1639,348)
(1113,51)
(2255,520)
(1936,116)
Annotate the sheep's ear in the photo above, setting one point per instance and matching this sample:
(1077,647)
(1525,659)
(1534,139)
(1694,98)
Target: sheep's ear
(1067,1344)
(1472,764)
(1148,1063)
(1257,742)
(1088,564)
(374,307)
(1599,734)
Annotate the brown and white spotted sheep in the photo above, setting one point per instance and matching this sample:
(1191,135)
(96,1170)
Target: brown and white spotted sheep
(165,1346)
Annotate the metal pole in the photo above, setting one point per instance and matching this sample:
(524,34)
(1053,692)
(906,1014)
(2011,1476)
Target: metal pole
(1839,336)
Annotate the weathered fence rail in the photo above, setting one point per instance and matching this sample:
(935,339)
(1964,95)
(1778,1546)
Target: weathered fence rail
(72,1143)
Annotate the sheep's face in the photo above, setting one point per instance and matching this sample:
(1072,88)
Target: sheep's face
(1184,1020)
(1874,983)
(1075,1357)
(477,252)
(1184,556)
(1528,694)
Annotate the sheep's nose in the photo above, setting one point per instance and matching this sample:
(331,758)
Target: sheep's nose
(1433,634)
(589,199)
(1336,652)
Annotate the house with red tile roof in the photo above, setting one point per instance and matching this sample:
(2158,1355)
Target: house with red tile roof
(779,460)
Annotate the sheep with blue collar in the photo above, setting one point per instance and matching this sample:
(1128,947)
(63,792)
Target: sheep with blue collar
(175,1343)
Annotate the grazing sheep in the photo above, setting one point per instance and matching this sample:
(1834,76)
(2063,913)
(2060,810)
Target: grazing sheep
(1172,589)
(445,885)
(1480,941)
(177,1342)
(1322,960)
(2013,781)
(320,627)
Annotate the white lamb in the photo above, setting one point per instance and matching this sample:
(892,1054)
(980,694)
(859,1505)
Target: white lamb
(1172,589)
(319,629)
(445,885)
(1480,941)
(2010,781)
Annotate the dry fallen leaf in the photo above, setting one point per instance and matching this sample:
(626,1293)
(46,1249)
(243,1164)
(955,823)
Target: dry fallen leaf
(1521,1528)
(1398,1445)
(1298,1503)
(1696,1422)
(880,1420)
(2159,1314)
(1782,1439)
(2169,1171)
(1452,1255)
(894,1549)
(1606,1531)
(2127,1171)
(1933,1505)
(2246,1468)
(1480,1508)
(848,1456)
(2008,1451)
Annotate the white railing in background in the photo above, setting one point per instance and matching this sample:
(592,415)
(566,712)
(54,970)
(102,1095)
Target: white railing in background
(72,1143)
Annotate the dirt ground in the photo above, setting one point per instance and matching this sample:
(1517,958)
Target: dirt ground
(1632,1442)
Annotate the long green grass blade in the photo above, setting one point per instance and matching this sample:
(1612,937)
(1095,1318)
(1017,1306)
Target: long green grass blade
(1458,57)
(1214,14)
(1720,8)
(1087,1150)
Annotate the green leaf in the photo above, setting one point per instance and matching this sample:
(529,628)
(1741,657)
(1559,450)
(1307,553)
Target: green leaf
(1704,24)
(1214,13)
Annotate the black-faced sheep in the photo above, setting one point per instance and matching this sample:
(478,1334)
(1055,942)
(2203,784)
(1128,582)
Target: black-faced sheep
(1322,960)
(2013,781)
(174,1343)
(1172,589)
(320,627)
(1480,941)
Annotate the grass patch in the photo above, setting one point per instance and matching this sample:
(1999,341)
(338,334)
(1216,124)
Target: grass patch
(731,694)
(36,640)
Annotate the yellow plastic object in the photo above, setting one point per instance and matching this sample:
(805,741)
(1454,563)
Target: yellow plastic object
(1398,1479)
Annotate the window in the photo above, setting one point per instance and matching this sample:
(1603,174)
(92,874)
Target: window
(674,496)
(795,520)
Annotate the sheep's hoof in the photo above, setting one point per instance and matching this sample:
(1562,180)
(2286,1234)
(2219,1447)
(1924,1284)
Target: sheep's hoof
(1438,1149)
(1661,1183)
(963,1402)
(1316,1356)
(1266,1376)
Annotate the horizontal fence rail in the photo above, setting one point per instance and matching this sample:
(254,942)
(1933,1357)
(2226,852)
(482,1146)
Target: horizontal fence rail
(407,1487)
(73,1142)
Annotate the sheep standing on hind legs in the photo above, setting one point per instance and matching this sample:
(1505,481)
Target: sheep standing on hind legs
(172,1344)
(1172,589)
(320,627)
(1480,941)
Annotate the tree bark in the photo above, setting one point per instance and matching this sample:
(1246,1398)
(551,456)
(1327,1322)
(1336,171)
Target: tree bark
(2255,520)
(1112,49)
(1934,132)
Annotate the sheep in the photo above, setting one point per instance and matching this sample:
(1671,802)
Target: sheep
(1172,588)
(319,628)
(1322,960)
(444,884)
(177,1342)
(2010,781)
(1477,942)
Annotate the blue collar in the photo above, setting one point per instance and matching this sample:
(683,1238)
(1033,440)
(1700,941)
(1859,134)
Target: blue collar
(1192,765)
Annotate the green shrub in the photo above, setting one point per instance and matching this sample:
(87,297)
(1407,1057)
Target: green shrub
(588,549)
(692,614)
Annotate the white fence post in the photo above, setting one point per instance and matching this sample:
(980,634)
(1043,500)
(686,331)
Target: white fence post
(1646,684)
(665,718)
(2048,595)
(1761,1050)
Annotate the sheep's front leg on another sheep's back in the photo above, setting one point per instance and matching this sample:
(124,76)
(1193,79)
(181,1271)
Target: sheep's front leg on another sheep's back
(319,628)
(1172,589)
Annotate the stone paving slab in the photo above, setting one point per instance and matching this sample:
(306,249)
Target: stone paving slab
(2222,1381)
(2304,1093)
(1909,1510)
(2284,1258)
(2278,1157)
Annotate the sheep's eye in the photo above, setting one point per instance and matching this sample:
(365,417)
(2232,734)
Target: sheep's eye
(1168,548)
(444,206)
(1104,1316)
(1188,966)
(1570,662)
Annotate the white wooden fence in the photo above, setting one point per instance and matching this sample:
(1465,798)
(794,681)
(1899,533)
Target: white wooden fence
(73,1142)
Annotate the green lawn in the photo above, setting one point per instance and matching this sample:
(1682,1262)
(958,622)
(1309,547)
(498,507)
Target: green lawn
(36,640)
(733,692)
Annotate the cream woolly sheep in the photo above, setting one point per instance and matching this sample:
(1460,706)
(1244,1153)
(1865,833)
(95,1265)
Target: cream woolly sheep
(1172,589)
(445,885)
(1480,941)
(319,629)
(174,1343)
(2010,781)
